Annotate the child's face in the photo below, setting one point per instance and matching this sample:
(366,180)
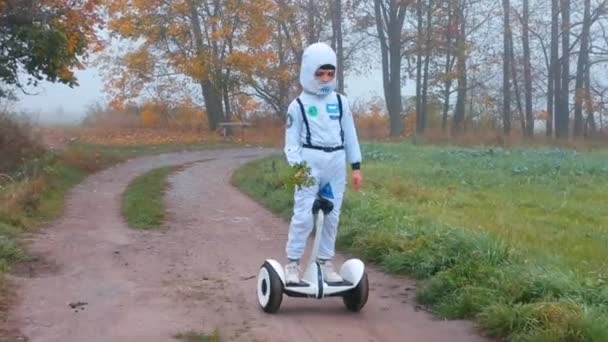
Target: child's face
(325,75)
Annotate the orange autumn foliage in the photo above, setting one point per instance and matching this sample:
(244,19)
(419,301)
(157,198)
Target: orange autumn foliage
(140,136)
(174,42)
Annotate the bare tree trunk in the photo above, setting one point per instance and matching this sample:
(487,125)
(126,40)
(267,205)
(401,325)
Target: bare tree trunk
(461,69)
(520,109)
(395,82)
(213,104)
(211,94)
(447,84)
(427,59)
(337,41)
(227,107)
(582,65)
(391,15)
(553,84)
(506,85)
(529,132)
(283,91)
(590,126)
(419,52)
(446,99)
(562,126)
(384,52)
(311,14)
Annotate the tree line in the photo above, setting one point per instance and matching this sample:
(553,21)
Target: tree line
(509,64)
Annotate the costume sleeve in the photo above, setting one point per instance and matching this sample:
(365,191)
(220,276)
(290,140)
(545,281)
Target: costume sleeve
(293,129)
(351,141)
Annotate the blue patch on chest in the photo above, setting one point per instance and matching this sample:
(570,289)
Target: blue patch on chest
(332,108)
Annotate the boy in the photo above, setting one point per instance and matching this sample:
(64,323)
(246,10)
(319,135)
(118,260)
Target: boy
(320,131)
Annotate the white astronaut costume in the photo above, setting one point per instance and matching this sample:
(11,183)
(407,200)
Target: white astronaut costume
(320,131)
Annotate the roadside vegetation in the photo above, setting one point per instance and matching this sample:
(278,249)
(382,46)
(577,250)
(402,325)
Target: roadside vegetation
(514,239)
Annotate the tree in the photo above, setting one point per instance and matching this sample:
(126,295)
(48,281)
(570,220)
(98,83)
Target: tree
(423,58)
(553,83)
(276,83)
(419,55)
(213,43)
(461,67)
(516,82)
(390,17)
(581,92)
(562,119)
(450,32)
(529,126)
(590,125)
(46,39)
(427,61)
(507,58)
(316,14)
(337,41)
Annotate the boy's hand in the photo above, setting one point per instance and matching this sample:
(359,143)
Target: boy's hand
(357,179)
(301,174)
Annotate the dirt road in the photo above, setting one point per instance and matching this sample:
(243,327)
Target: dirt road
(102,281)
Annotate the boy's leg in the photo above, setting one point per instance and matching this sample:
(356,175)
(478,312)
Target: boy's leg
(299,228)
(330,230)
(301,222)
(328,243)
(336,173)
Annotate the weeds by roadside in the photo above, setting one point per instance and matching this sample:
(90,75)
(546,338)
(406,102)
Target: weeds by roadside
(142,201)
(192,336)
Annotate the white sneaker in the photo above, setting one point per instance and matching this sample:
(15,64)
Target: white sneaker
(292,273)
(329,274)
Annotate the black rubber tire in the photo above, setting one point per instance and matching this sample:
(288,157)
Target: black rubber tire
(274,286)
(356,298)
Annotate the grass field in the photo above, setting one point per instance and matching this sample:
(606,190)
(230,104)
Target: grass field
(516,239)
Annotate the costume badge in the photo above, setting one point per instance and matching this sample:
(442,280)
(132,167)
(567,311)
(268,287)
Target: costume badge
(332,108)
(313,111)
(289,121)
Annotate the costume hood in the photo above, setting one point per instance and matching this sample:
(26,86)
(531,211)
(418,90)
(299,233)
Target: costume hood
(314,56)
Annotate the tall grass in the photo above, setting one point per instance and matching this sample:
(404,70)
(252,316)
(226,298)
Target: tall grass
(514,239)
(18,143)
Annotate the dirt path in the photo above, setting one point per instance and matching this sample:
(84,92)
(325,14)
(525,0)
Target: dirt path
(108,282)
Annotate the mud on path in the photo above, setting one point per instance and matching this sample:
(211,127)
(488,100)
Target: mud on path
(103,281)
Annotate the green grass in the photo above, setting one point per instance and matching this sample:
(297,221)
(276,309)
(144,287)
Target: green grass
(198,337)
(62,178)
(31,202)
(515,239)
(142,201)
